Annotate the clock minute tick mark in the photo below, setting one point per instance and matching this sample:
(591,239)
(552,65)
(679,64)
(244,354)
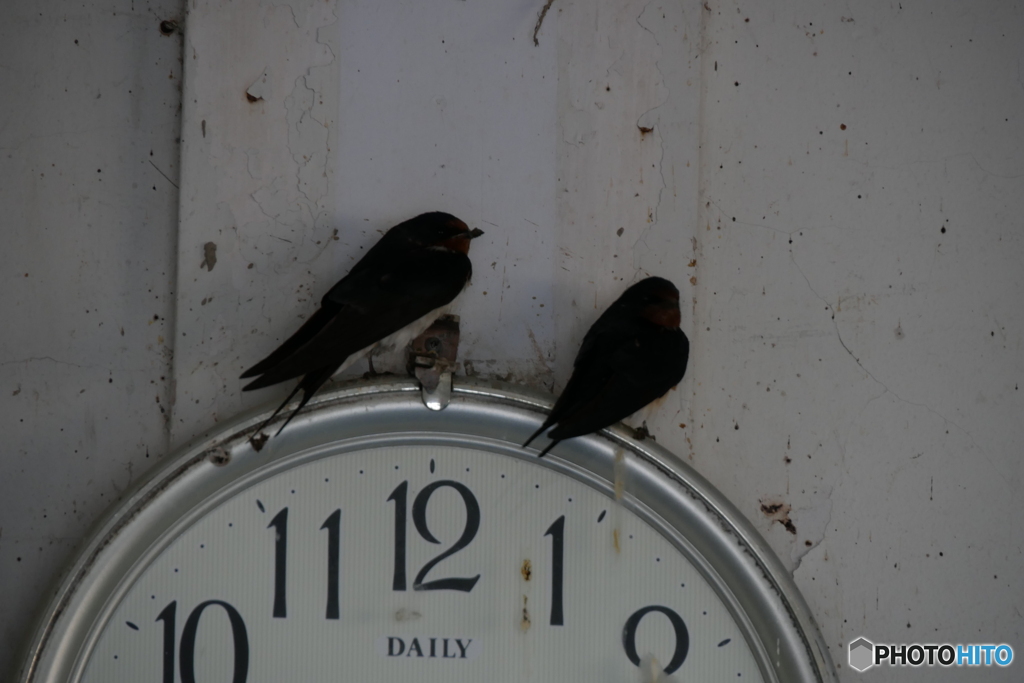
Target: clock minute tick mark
(724,642)
(431,465)
(259,504)
(133,626)
(601,516)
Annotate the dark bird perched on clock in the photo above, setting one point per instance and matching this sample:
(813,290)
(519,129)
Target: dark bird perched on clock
(404,283)
(632,355)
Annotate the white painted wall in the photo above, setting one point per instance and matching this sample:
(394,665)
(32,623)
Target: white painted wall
(836,188)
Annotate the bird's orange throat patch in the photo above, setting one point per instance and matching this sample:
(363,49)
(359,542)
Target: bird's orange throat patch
(664,315)
(458,243)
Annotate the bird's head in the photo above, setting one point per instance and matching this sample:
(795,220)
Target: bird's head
(657,300)
(436,230)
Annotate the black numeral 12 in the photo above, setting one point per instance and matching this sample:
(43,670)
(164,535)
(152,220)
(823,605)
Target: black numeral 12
(419,519)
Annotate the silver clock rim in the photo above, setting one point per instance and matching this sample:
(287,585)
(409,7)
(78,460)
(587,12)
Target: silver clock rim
(661,488)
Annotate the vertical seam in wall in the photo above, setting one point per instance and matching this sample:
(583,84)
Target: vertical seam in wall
(702,154)
(171,389)
(703,48)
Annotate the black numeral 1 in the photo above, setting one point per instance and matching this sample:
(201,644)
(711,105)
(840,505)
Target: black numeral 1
(333,526)
(280,524)
(556,532)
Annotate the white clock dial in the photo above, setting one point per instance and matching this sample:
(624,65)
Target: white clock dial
(377,540)
(332,565)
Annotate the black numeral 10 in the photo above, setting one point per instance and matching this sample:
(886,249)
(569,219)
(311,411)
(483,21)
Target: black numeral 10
(187,656)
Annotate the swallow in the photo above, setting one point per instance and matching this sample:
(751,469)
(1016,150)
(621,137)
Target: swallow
(405,282)
(633,354)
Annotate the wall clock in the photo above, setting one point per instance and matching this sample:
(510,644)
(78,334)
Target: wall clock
(377,540)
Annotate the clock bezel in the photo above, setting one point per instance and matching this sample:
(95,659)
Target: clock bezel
(660,488)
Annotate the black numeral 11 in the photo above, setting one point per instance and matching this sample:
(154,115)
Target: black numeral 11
(333,526)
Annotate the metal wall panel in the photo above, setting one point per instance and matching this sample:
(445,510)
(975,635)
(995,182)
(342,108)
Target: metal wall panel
(89,121)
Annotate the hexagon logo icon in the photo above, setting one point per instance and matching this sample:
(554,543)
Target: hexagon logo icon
(862,653)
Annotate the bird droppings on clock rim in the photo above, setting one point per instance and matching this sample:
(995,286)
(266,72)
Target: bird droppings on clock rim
(526,570)
(219,457)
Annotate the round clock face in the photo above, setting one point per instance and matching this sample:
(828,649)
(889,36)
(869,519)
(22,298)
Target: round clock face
(415,554)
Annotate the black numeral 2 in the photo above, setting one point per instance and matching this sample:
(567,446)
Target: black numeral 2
(419,518)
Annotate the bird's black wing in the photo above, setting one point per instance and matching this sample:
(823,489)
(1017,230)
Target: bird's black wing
(629,378)
(360,278)
(593,366)
(366,306)
(309,329)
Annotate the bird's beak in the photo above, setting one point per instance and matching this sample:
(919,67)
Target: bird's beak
(475,232)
